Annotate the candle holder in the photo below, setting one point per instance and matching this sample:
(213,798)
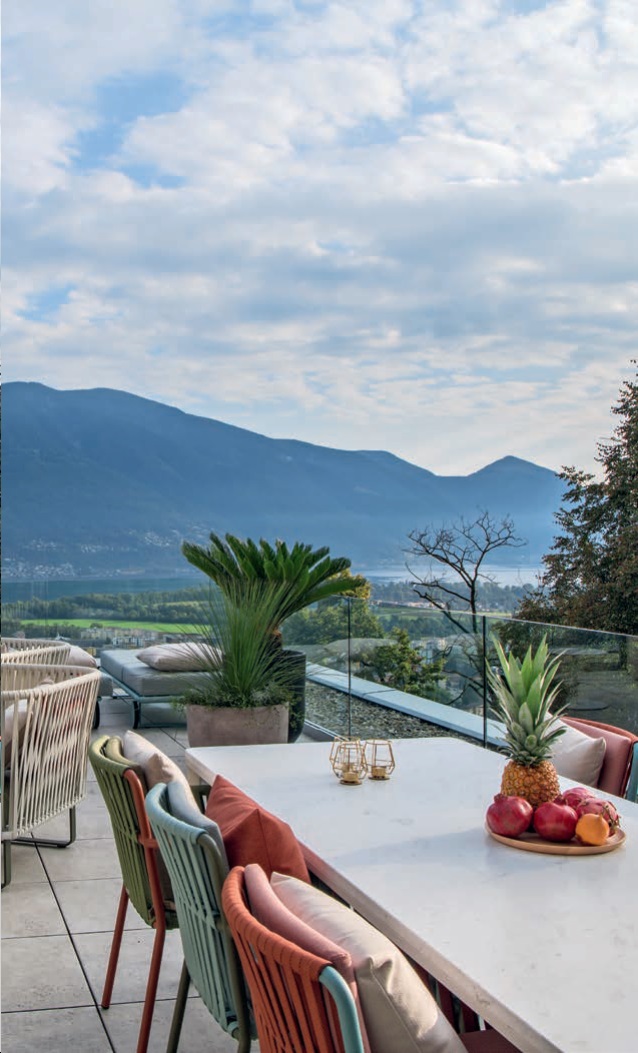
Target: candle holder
(347,757)
(379,758)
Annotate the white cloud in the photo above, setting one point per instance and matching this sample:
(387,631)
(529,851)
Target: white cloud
(380,224)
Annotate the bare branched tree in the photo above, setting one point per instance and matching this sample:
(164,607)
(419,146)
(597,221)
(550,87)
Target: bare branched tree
(457,554)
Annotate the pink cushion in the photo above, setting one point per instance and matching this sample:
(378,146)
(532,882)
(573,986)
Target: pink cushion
(618,753)
(253,835)
(267,908)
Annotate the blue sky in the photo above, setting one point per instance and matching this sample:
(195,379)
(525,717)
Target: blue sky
(377,224)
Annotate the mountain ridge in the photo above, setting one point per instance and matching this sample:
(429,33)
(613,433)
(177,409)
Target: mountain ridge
(124,479)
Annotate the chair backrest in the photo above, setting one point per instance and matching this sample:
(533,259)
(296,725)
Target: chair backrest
(47,756)
(16,676)
(619,753)
(197,873)
(300,1002)
(123,792)
(21,649)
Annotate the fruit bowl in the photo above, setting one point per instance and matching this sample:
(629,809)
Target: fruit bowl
(529,842)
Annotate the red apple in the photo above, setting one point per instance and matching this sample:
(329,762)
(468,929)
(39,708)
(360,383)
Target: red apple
(555,822)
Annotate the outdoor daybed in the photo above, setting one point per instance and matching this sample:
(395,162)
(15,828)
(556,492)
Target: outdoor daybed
(143,683)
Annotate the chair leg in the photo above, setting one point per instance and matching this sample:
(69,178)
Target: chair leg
(6,863)
(48,842)
(115,949)
(151,989)
(178,1012)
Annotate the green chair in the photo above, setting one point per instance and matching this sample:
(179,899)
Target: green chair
(193,852)
(144,882)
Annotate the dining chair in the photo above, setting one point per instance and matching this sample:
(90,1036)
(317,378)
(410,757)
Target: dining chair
(619,771)
(194,855)
(45,725)
(21,649)
(300,1002)
(143,884)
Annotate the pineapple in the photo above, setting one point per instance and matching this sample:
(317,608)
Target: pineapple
(523,697)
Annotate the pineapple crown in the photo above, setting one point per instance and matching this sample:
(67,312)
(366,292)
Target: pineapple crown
(523,696)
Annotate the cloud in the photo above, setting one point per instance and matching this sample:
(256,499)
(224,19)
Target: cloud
(374,225)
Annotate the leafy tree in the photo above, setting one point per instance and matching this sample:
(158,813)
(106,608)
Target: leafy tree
(590,575)
(328,621)
(402,666)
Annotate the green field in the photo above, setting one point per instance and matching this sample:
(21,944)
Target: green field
(86,623)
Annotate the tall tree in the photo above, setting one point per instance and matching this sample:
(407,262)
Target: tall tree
(590,576)
(457,554)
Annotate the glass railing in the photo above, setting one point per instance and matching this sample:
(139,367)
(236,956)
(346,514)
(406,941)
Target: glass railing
(419,672)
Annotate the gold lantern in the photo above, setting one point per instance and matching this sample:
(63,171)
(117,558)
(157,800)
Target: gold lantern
(347,757)
(379,758)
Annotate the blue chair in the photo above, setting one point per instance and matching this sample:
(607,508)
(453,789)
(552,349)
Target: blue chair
(193,853)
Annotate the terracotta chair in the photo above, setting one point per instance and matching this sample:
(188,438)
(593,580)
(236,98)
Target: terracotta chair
(619,773)
(300,1002)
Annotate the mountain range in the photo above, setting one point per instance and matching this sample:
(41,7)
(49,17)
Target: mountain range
(103,482)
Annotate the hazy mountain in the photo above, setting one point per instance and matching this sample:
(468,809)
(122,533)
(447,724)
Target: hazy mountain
(105,481)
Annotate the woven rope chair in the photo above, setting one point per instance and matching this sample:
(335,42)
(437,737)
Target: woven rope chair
(197,874)
(45,764)
(299,1000)
(20,650)
(123,793)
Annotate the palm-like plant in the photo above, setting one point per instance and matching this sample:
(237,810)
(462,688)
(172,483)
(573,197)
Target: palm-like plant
(300,575)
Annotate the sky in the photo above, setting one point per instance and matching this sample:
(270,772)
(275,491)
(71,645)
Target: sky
(407,225)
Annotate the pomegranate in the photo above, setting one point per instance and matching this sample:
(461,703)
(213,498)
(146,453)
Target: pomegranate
(509,816)
(596,806)
(555,822)
(574,796)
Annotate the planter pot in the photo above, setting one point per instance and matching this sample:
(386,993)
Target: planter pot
(295,663)
(229,726)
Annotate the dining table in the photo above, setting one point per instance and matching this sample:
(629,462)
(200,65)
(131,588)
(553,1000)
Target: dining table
(543,946)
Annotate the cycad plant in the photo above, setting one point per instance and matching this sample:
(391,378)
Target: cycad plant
(302,575)
(524,693)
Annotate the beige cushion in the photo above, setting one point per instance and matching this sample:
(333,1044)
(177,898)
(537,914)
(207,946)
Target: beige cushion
(157,767)
(13,726)
(78,656)
(400,1014)
(180,657)
(578,756)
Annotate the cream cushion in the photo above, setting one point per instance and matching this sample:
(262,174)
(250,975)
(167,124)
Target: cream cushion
(180,657)
(78,656)
(157,767)
(578,756)
(400,1014)
(15,718)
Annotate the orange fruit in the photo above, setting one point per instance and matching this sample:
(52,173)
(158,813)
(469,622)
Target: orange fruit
(592,829)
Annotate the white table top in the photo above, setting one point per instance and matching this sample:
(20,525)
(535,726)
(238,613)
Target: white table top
(544,947)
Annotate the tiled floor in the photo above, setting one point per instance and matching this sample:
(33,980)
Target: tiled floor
(57,921)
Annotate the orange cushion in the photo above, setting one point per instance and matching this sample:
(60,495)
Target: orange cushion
(253,835)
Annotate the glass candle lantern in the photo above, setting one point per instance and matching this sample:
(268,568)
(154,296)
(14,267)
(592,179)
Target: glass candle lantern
(379,758)
(347,757)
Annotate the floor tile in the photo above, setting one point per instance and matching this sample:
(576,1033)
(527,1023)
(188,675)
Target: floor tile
(200,1032)
(53,1030)
(133,966)
(26,866)
(30,910)
(91,906)
(42,972)
(83,860)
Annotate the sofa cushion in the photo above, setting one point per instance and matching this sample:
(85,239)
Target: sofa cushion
(78,656)
(253,835)
(614,773)
(15,719)
(578,756)
(183,657)
(400,1013)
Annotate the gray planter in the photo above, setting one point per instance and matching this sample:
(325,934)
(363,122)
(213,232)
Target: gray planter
(230,726)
